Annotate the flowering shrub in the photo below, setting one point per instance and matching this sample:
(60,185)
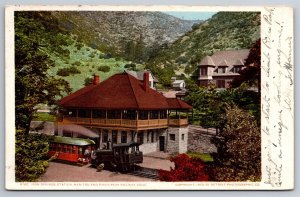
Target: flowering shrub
(186,169)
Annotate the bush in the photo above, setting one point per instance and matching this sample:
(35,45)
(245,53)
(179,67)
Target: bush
(104,69)
(239,149)
(186,169)
(77,63)
(31,155)
(130,66)
(68,71)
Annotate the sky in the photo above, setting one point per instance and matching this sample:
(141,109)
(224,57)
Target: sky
(191,15)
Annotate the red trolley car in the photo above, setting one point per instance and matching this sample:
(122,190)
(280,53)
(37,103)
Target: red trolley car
(76,150)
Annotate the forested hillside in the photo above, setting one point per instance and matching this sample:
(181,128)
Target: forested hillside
(225,30)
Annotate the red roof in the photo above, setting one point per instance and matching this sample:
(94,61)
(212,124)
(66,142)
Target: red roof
(121,91)
(175,103)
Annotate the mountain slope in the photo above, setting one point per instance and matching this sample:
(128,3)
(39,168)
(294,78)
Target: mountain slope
(133,35)
(225,30)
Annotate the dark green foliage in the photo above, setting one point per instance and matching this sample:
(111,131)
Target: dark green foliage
(211,104)
(79,45)
(239,149)
(130,66)
(68,71)
(77,63)
(104,69)
(88,81)
(31,155)
(34,38)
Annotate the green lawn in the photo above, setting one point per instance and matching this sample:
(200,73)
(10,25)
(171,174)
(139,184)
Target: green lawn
(39,116)
(205,157)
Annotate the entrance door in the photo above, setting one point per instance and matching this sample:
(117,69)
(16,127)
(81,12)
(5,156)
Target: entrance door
(161,143)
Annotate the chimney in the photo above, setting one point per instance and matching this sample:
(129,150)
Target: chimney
(96,80)
(146,82)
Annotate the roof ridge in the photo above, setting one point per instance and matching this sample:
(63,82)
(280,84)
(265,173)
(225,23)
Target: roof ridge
(135,97)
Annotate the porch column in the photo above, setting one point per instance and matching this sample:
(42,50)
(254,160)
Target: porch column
(106,116)
(121,116)
(137,117)
(76,115)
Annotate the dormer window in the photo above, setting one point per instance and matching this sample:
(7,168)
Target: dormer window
(222,70)
(237,69)
(203,71)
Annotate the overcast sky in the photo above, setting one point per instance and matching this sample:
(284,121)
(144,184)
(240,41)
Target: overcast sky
(191,15)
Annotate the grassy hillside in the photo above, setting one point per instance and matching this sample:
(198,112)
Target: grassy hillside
(87,61)
(225,30)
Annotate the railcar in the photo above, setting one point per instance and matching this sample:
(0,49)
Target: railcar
(122,157)
(74,150)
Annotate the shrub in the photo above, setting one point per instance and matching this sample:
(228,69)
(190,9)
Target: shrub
(186,169)
(31,155)
(104,69)
(239,149)
(68,71)
(130,66)
(77,63)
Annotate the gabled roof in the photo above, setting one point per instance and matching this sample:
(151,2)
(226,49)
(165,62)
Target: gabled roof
(140,74)
(121,91)
(223,63)
(238,62)
(175,103)
(207,61)
(231,57)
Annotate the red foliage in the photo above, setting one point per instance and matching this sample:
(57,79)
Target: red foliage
(186,169)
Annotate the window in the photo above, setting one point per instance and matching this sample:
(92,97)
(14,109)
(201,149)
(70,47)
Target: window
(153,114)
(140,137)
(221,83)
(99,114)
(203,71)
(114,114)
(104,135)
(69,149)
(172,137)
(163,114)
(123,137)
(114,137)
(129,114)
(182,136)
(74,150)
(83,113)
(237,69)
(64,148)
(221,69)
(143,115)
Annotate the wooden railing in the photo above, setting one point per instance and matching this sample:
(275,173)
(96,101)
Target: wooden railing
(178,122)
(117,122)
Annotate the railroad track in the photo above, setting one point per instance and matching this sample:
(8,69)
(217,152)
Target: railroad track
(145,173)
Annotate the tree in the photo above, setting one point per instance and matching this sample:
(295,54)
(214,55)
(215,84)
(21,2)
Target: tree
(31,155)
(209,105)
(251,74)
(239,148)
(36,35)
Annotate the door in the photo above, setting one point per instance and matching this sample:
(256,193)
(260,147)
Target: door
(161,143)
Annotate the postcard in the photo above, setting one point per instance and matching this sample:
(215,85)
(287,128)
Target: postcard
(149,98)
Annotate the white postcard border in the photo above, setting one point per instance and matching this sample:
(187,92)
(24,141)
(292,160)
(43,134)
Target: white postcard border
(277,104)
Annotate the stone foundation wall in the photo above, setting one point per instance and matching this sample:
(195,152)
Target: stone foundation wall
(199,141)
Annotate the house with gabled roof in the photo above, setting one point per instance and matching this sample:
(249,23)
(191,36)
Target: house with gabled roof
(123,109)
(140,76)
(220,68)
